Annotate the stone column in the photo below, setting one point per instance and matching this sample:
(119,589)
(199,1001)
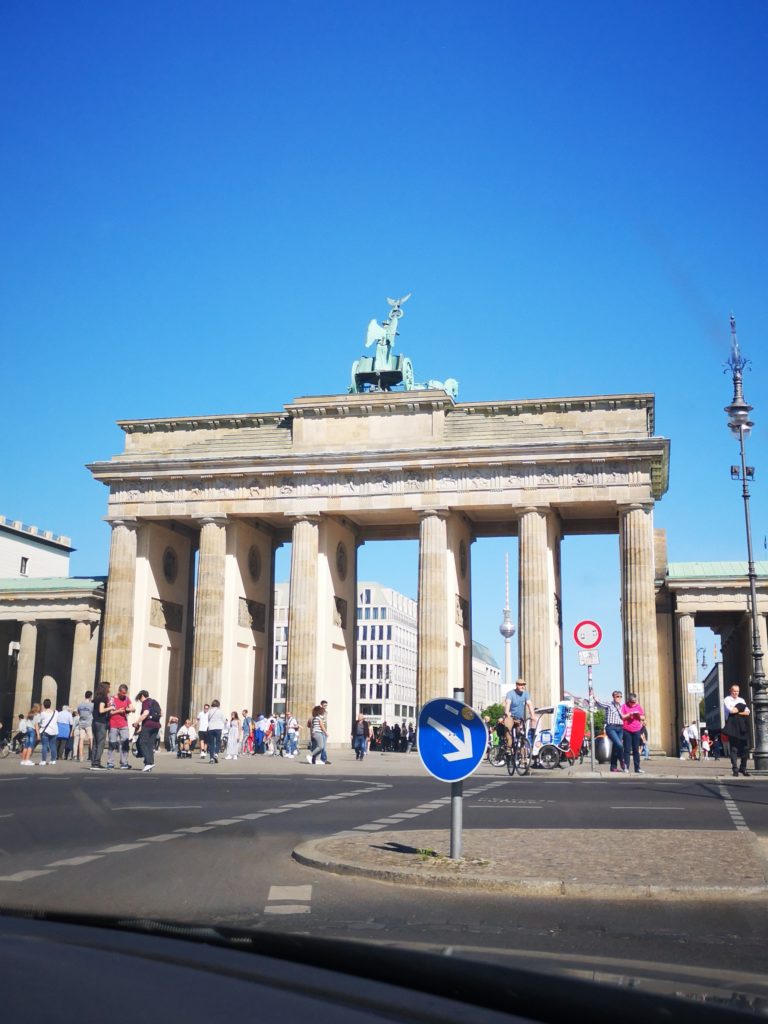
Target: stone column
(686,669)
(432,652)
(301,689)
(638,614)
(208,649)
(117,641)
(539,627)
(25,670)
(81,678)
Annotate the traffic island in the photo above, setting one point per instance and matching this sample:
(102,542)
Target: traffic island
(620,864)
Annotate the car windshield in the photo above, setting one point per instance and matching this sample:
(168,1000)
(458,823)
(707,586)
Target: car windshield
(339,625)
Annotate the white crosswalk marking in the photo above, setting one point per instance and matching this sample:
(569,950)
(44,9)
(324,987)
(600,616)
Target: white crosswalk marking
(289,899)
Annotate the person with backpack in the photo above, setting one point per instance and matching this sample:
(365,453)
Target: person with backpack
(148,724)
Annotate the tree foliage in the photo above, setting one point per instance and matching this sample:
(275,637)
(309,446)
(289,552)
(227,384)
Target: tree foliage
(494,712)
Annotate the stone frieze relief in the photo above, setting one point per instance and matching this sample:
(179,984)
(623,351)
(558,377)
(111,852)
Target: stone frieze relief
(270,487)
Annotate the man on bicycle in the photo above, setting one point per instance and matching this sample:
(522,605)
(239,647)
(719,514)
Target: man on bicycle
(517,708)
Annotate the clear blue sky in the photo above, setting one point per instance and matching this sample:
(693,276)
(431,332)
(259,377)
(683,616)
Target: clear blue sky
(203,204)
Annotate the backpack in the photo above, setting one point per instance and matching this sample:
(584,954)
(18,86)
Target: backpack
(155,711)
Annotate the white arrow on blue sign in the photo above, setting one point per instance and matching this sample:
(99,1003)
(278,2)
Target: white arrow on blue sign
(451,739)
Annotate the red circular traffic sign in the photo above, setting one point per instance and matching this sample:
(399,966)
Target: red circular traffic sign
(588,634)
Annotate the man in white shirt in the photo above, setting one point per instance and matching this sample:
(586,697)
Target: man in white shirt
(291,734)
(185,739)
(49,733)
(736,728)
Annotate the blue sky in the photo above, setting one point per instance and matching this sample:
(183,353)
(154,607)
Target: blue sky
(203,205)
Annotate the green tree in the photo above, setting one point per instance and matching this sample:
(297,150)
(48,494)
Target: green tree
(494,712)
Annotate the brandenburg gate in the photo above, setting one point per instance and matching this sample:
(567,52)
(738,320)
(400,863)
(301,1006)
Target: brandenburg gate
(199,505)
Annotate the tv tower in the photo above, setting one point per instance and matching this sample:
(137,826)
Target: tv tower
(507,629)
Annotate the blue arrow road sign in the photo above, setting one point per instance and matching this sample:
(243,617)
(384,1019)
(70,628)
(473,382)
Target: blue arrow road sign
(451,739)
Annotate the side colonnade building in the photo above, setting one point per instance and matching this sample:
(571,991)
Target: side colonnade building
(198,507)
(49,621)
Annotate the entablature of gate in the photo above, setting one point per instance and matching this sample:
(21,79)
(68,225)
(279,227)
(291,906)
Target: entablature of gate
(719,597)
(585,458)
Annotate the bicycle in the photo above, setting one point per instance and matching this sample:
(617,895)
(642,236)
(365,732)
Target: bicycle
(514,751)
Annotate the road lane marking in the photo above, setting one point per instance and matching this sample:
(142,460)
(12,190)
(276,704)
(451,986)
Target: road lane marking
(179,833)
(369,828)
(160,807)
(288,908)
(122,848)
(643,807)
(284,900)
(297,893)
(23,876)
(74,861)
(733,810)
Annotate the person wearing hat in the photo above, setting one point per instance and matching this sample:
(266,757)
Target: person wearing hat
(736,728)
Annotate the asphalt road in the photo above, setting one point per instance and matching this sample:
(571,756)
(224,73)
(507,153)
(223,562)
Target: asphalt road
(216,848)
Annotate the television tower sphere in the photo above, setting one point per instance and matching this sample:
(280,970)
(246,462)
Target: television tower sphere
(507,628)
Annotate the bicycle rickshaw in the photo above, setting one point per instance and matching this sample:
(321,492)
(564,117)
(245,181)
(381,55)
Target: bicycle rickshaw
(559,735)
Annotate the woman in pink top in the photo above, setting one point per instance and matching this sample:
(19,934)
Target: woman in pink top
(633,717)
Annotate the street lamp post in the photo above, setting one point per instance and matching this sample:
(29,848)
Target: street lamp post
(740,425)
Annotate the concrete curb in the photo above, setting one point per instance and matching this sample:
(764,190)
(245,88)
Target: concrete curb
(310,854)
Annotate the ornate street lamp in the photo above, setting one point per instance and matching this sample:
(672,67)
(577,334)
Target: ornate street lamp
(507,630)
(740,425)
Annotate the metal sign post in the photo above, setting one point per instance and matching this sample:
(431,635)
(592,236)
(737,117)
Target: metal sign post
(588,635)
(457,814)
(451,740)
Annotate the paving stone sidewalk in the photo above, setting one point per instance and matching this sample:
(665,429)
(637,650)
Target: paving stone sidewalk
(605,864)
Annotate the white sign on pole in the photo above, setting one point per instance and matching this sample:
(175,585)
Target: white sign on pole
(589,658)
(696,688)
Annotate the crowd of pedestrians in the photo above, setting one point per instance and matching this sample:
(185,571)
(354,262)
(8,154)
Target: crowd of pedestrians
(116,723)
(100,720)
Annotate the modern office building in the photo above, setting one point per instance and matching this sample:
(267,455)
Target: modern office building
(385,669)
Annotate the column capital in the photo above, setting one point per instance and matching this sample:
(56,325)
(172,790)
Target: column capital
(313,520)
(440,511)
(215,520)
(129,523)
(540,509)
(636,506)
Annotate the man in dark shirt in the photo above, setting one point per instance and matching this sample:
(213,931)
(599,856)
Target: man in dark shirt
(149,725)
